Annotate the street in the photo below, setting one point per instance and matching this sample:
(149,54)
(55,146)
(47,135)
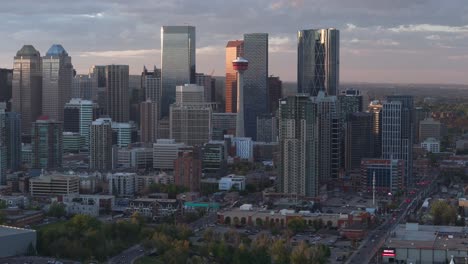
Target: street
(128,256)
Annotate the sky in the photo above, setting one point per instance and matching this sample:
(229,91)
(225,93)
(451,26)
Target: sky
(394,41)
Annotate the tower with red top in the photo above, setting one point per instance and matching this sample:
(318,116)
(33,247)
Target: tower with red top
(240,65)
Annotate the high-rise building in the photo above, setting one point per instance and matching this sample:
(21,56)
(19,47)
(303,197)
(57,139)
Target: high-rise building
(397,132)
(190,123)
(123,134)
(6,78)
(275,93)
(177,61)
(27,86)
(188,169)
(223,124)
(122,184)
(389,176)
(429,128)
(79,114)
(234,49)
(419,115)
(267,128)
(255,80)
(117,92)
(57,78)
(206,81)
(98,72)
(149,121)
(164,153)
(359,141)
(3,165)
(298,166)
(10,137)
(190,94)
(46,139)
(214,156)
(151,83)
(240,65)
(350,101)
(329,136)
(318,61)
(100,144)
(85,87)
(375,108)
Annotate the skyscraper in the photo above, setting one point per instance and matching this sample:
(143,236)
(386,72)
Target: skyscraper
(46,139)
(6,78)
(318,61)
(177,61)
(298,167)
(85,87)
(190,123)
(100,146)
(98,72)
(359,142)
(57,79)
(149,121)
(397,132)
(207,82)
(255,80)
(79,114)
(350,101)
(275,93)
(188,169)
(12,139)
(234,49)
(118,104)
(27,86)
(190,94)
(375,108)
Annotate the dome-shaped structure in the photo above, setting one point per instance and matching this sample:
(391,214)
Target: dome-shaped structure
(56,50)
(28,50)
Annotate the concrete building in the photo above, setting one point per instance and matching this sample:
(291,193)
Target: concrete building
(208,83)
(164,153)
(177,62)
(234,49)
(318,61)
(214,155)
(54,185)
(255,81)
(27,86)
(431,145)
(100,146)
(91,205)
(429,128)
(123,134)
(72,142)
(267,128)
(122,184)
(244,148)
(12,139)
(47,148)
(57,78)
(99,73)
(188,169)
(389,175)
(190,94)
(149,117)
(85,86)
(413,243)
(144,181)
(135,157)
(232,182)
(223,124)
(190,123)
(19,241)
(117,92)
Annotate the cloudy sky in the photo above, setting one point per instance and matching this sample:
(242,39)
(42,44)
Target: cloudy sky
(418,41)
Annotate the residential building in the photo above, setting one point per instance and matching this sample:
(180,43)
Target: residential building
(100,144)
(214,156)
(164,153)
(149,117)
(318,61)
(375,108)
(27,86)
(122,184)
(135,157)
(79,114)
(244,148)
(188,169)
(12,139)
(234,49)
(123,134)
(91,205)
(178,45)
(431,145)
(57,78)
(267,128)
(72,142)
(117,92)
(46,139)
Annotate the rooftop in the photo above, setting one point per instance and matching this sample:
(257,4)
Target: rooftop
(28,50)
(56,50)
(10,230)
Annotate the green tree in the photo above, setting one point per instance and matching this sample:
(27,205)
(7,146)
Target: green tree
(301,254)
(279,252)
(297,225)
(57,210)
(3,204)
(442,213)
(2,218)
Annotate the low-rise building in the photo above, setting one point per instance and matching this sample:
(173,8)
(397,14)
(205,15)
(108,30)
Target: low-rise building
(431,145)
(16,241)
(53,185)
(91,205)
(20,218)
(20,201)
(232,181)
(122,184)
(154,208)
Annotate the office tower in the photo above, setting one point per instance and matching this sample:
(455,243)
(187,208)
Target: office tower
(375,108)
(234,49)
(419,115)
(275,93)
(27,86)
(137,95)
(151,83)
(359,141)
(177,61)
(389,176)
(57,78)
(85,87)
(318,61)
(189,94)
(164,153)
(350,101)
(255,81)
(244,148)
(3,165)
(6,79)
(329,136)
(13,140)
(100,145)
(429,128)
(123,134)
(298,166)
(118,107)
(188,170)
(149,121)
(208,84)
(98,72)
(46,139)
(397,132)
(240,65)
(214,156)
(267,128)
(190,123)
(78,116)
(223,124)
(72,142)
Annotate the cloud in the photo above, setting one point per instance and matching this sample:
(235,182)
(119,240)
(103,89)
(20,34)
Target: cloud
(433,37)
(121,53)
(429,28)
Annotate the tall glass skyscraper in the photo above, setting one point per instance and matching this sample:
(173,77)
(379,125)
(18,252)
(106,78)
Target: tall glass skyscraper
(255,81)
(57,79)
(318,61)
(27,86)
(177,62)
(117,93)
(234,49)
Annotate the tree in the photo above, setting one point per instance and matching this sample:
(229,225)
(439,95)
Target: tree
(442,213)
(3,204)
(57,210)
(301,254)
(297,225)
(279,252)
(2,218)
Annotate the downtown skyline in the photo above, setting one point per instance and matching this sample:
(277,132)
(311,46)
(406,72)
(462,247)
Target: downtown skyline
(380,41)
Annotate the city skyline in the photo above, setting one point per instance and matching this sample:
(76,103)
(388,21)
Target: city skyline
(375,46)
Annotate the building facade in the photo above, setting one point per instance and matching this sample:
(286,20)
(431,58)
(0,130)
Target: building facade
(234,49)
(117,92)
(164,153)
(100,145)
(190,123)
(149,116)
(389,175)
(79,114)
(275,93)
(46,140)
(359,141)
(188,170)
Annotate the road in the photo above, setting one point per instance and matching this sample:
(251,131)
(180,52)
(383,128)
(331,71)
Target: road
(208,219)
(128,256)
